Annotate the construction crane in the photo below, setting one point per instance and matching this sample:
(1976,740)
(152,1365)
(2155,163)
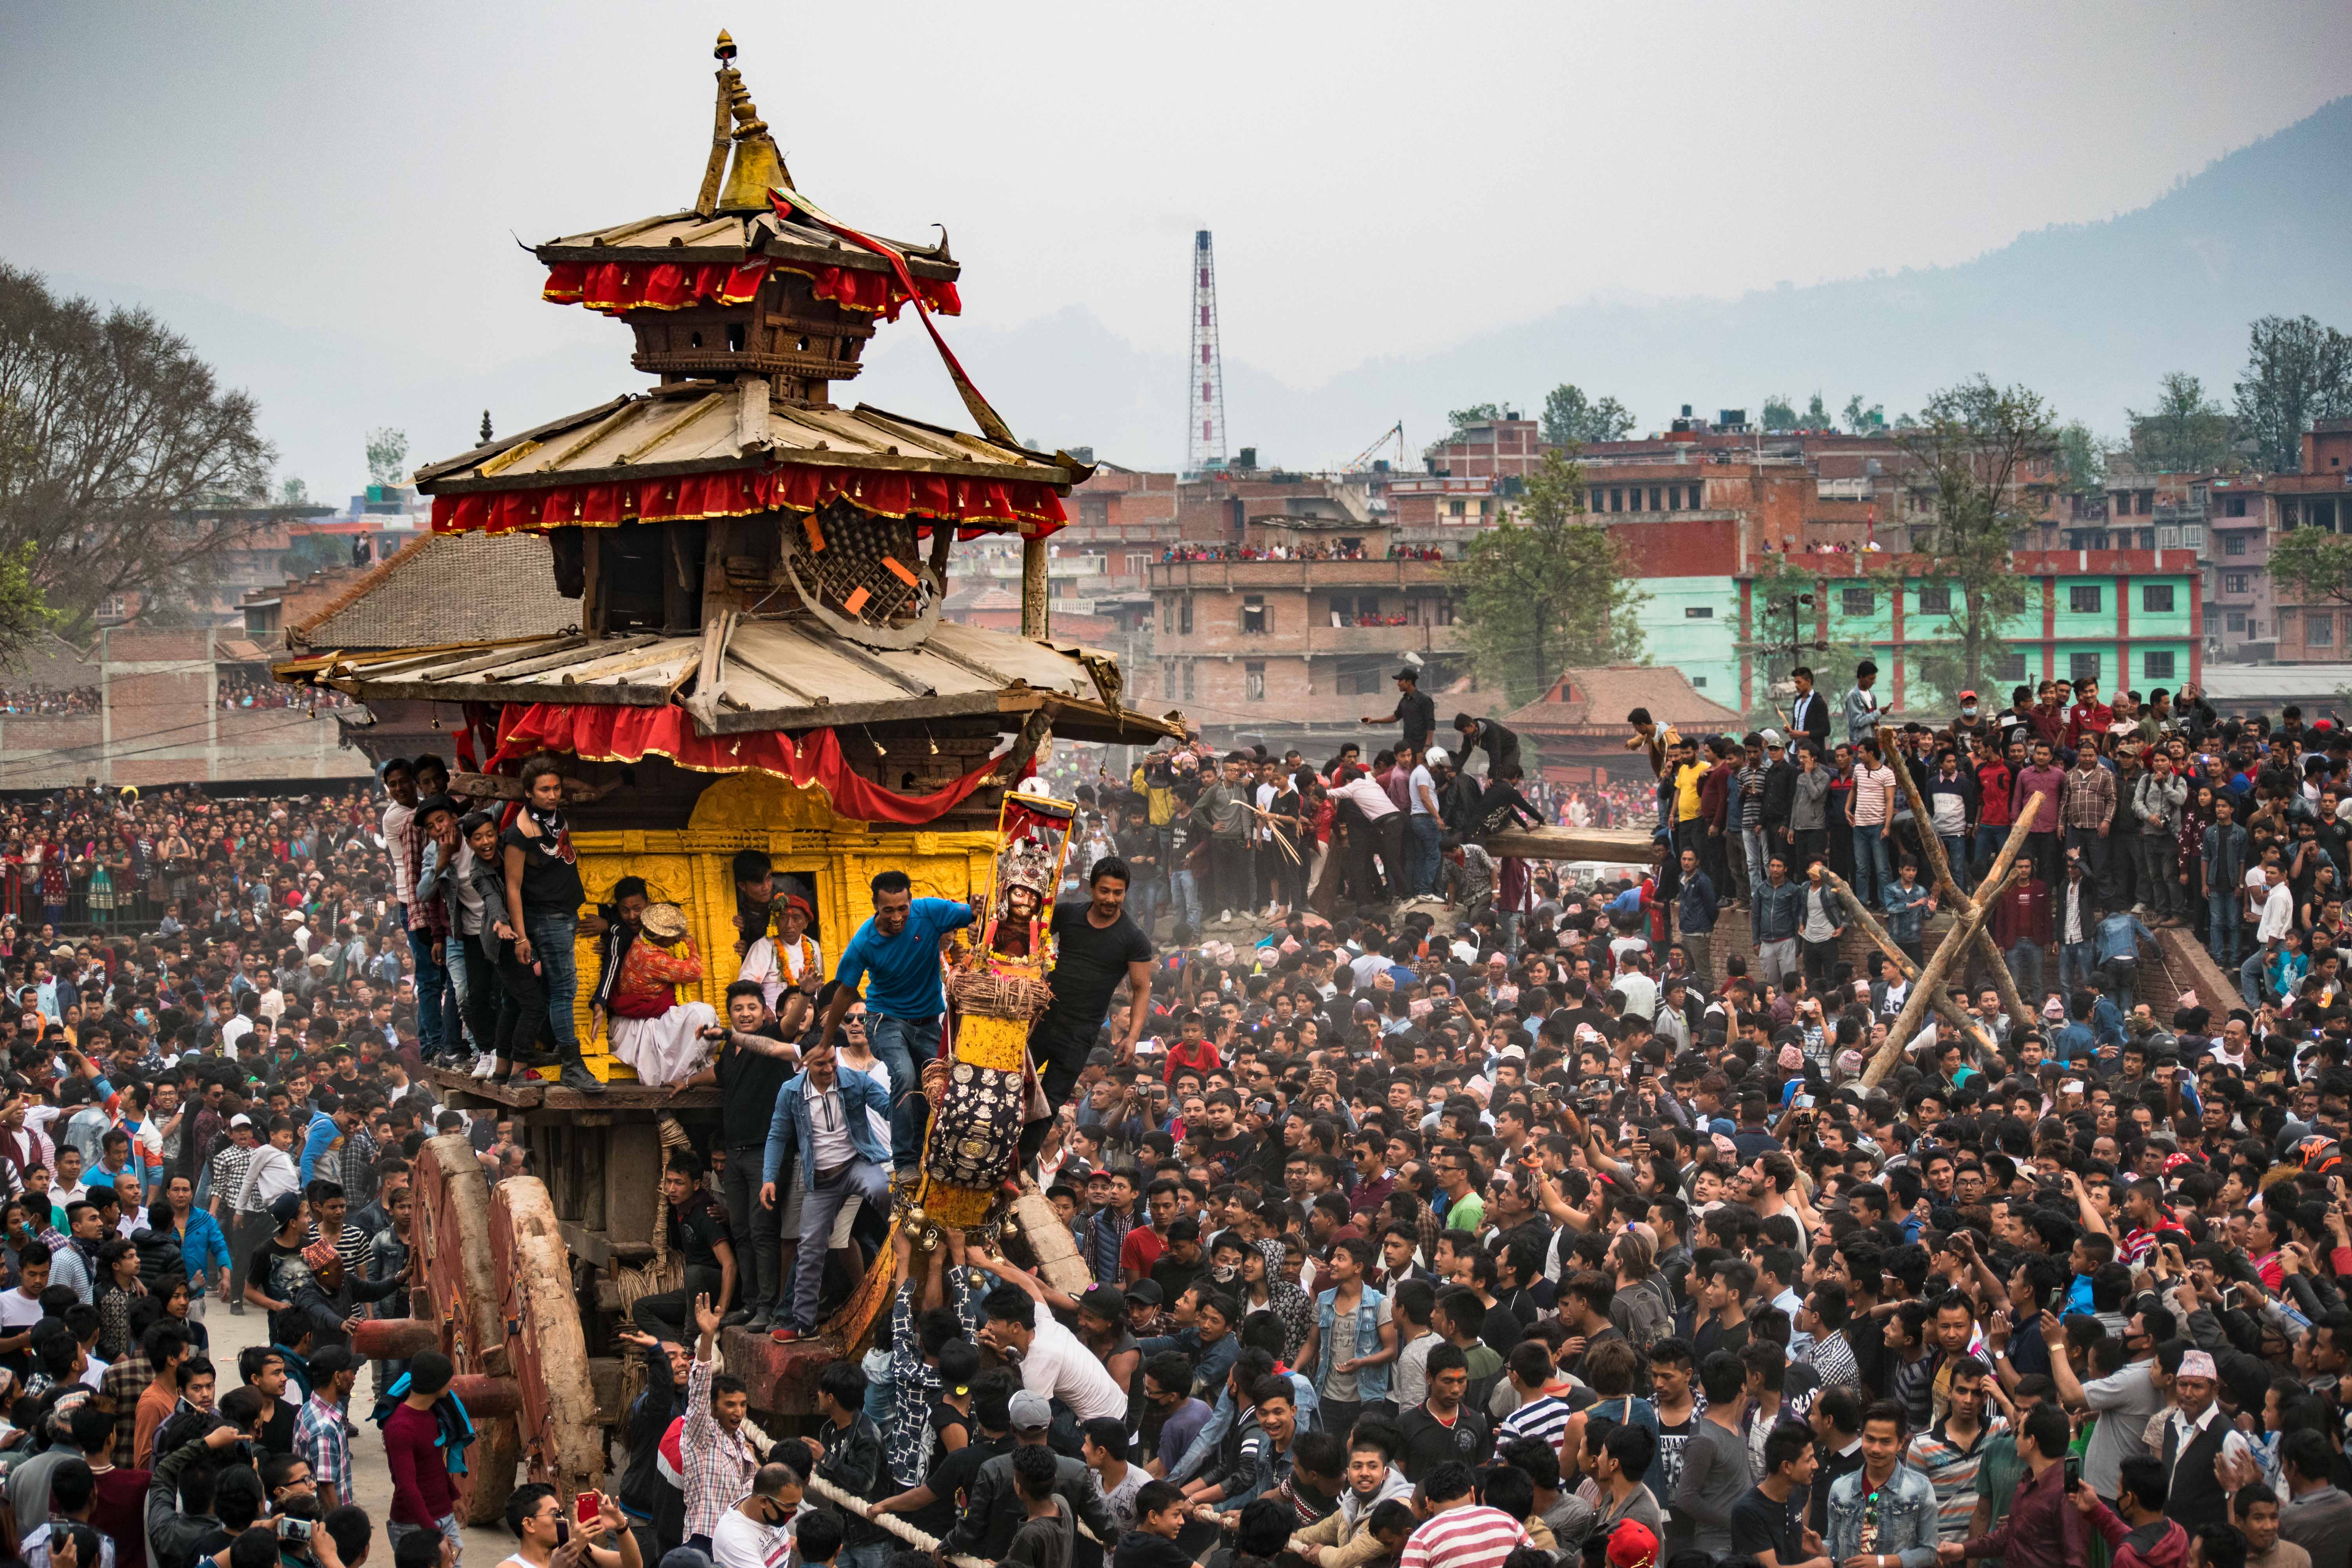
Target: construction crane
(1362,459)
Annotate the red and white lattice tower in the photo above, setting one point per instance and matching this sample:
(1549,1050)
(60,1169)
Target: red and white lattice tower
(1204,430)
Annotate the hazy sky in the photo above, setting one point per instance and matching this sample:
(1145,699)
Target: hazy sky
(1380,179)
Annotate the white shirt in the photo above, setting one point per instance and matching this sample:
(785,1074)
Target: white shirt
(1422,789)
(760,963)
(1369,797)
(740,1543)
(1059,1367)
(829,1130)
(233,1034)
(1641,993)
(2278,914)
(19,1311)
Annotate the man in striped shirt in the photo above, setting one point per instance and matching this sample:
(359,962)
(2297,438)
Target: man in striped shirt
(1951,1452)
(1539,1415)
(1461,1532)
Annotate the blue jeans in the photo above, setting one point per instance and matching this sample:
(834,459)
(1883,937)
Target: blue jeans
(434,1002)
(873,1554)
(2222,932)
(2094,857)
(1955,851)
(552,935)
(1751,839)
(1184,897)
(1873,872)
(902,1044)
(2249,975)
(820,1203)
(1426,857)
(2077,962)
(1986,847)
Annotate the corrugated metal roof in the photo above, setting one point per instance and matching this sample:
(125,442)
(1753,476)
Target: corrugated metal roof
(780,673)
(699,425)
(691,236)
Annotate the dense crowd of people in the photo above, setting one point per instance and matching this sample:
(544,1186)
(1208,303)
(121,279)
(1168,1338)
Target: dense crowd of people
(29,701)
(1508,1224)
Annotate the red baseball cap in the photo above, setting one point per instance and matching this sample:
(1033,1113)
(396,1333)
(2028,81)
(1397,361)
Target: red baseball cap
(1632,1545)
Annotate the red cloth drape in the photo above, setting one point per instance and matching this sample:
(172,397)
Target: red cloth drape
(613,286)
(605,733)
(976,506)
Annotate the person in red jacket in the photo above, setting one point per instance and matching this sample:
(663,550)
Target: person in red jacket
(1193,1049)
(2142,1536)
(2091,717)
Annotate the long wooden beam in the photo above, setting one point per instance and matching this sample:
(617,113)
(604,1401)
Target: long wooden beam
(1955,943)
(1944,1008)
(1937,862)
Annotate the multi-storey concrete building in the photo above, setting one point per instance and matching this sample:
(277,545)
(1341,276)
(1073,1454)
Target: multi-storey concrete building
(2309,628)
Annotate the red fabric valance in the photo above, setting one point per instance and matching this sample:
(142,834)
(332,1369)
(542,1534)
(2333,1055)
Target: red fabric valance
(976,506)
(614,286)
(603,733)
(857,289)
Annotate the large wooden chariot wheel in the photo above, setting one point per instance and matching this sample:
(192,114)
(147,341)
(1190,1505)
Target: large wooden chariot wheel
(493,1275)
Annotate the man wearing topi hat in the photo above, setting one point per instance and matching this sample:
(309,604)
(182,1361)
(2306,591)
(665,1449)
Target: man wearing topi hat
(653,1031)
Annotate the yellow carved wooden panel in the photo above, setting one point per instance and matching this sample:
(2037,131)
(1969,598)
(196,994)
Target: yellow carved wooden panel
(693,868)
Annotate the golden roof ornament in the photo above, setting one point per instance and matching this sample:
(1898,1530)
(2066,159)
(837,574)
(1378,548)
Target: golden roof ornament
(737,128)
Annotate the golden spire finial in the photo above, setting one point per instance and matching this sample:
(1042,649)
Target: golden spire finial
(757,165)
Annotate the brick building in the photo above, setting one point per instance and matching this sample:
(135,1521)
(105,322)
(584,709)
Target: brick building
(2305,629)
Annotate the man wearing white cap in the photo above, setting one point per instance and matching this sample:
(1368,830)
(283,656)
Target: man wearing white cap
(2196,1433)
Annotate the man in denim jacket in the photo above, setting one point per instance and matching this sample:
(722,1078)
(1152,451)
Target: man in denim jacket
(1887,1501)
(824,1116)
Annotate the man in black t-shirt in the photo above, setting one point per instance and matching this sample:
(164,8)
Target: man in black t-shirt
(697,1234)
(1769,1523)
(1096,947)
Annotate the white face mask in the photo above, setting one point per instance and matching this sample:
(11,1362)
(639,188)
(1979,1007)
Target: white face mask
(1968,710)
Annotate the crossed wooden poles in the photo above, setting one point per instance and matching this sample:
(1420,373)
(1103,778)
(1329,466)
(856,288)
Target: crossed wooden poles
(1968,930)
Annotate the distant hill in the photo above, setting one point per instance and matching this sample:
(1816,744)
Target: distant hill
(2089,314)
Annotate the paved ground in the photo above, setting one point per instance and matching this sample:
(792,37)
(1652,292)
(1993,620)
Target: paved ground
(371,1482)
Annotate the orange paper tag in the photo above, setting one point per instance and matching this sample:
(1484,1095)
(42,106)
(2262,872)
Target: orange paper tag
(898,570)
(856,601)
(815,534)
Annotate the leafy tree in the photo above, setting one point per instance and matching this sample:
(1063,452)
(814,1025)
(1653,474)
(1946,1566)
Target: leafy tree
(1461,419)
(2081,461)
(124,468)
(1966,471)
(2296,371)
(1817,416)
(1545,590)
(2186,432)
(1570,419)
(2318,563)
(293,492)
(1859,420)
(387,458)
(1778,413)
(1785,630)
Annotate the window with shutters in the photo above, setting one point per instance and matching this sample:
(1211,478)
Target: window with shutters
(2156,598)
(2318,628)
(2082,667)
(2233,544)
(1857,602)
(1936,600)
(2009,666)
(2083,600)
(2156,666)
(1253,682)
(1254,615)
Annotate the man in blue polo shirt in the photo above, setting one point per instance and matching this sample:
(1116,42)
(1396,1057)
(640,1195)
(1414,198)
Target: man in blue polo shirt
(897,953)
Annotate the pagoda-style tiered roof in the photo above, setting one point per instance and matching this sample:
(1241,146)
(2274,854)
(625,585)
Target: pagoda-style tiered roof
(699,449)
(749,558)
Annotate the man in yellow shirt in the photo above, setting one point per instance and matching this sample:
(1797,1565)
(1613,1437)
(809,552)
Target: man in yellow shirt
(1688,773)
